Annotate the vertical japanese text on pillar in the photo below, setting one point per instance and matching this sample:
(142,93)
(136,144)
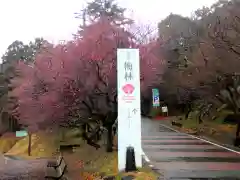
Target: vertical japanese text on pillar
(128,68)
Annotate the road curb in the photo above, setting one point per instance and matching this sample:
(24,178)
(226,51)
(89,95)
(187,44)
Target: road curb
(146,161)
(152,167)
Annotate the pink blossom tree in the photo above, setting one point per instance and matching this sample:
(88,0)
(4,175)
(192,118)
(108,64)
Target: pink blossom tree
(69,83)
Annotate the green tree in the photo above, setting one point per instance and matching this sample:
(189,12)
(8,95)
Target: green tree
(17,51)
(104,8)
(20,51)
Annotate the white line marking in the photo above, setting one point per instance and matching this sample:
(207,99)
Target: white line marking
(201,139)
(145,157)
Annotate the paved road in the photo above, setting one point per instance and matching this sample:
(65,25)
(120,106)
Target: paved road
(13,168)
(183,157)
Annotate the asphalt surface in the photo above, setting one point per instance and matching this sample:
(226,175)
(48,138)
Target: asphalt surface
(12,168)
(182,157)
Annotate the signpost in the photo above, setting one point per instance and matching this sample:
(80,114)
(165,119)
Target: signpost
(165,110)
(155,95)
(21,133)
(129,112)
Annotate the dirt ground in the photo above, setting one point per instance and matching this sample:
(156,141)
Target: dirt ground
(84,162)
(90,164)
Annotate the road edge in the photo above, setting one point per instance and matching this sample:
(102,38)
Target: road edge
(147,161)
(199,138)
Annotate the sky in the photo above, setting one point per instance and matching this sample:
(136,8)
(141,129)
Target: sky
(54,19)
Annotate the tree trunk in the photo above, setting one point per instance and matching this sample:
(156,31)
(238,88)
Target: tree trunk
(200,121)
(62,133)
(182,108)
(238,130)
(187,113)
(29,144)
(109,138)
(187,110)
(98,135)
(237,137)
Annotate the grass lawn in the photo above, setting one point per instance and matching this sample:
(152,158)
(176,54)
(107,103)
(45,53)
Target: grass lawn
(215,130)
(42,146)
(192,122)
(7,141)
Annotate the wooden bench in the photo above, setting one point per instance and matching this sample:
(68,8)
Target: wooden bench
(56,168)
